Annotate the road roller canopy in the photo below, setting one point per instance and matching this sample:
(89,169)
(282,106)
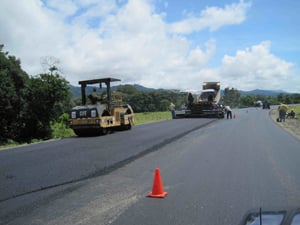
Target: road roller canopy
(107,82)
(98,81)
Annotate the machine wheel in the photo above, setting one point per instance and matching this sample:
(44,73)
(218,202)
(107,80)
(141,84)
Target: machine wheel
(104,131)
(128,127)
(82,132)
(221,115)
(90,132)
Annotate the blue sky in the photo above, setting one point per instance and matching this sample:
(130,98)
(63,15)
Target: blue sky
(159,43)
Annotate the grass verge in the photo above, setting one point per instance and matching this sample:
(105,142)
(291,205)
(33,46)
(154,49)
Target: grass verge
(60,130)
(148,117)
(296,110)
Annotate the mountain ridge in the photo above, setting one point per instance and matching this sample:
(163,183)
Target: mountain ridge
(76,90)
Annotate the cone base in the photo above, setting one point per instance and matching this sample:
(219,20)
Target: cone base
(162,195)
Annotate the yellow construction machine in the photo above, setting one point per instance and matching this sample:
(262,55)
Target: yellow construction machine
(105,112)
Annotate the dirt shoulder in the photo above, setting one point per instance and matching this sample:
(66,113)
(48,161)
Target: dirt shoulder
(290,125)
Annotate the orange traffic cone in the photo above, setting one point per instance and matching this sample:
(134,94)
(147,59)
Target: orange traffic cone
(157,188)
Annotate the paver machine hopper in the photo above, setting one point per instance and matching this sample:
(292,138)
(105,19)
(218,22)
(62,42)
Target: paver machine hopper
(205,103)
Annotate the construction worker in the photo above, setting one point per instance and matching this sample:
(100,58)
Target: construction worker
(94,97)
(190,100)
(282,112)
(228,111)
(172,108)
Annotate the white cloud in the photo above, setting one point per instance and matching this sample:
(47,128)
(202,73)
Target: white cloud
(66,7)
(255,68)
(28,32)
(129,40)
(213,18)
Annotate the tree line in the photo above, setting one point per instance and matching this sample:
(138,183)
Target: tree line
(159,100)
(29,104)
(151,101)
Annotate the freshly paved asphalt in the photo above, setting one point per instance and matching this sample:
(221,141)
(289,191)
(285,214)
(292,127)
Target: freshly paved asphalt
(213,175)
(41,166)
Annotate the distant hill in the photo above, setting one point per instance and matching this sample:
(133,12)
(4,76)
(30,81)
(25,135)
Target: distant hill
(76,90)
(142,88)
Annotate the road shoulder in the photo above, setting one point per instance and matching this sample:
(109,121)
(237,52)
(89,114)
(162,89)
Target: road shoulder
(290,125)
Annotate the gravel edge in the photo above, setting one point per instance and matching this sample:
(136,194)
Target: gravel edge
(290,125)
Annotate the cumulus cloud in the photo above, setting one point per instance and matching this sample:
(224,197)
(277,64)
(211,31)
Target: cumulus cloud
(213,18)
(129,40)
(132,41)
(254,68)
(65,8)
(28,32)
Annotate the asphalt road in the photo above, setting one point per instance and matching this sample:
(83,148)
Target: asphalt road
(46,165)
(213,175)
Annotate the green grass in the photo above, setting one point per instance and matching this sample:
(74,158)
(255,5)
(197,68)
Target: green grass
(148,117)
(296,110)
(60,130)
(9,144)
(13,144)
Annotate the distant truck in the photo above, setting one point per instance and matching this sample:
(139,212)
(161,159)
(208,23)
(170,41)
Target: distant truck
(203,104)
(265,105)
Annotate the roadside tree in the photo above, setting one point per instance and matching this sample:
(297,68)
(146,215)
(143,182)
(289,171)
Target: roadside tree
(47,98)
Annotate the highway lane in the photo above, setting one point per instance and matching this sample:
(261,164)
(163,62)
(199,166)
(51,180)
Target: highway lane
(213,175)
(219,173)
(46,165)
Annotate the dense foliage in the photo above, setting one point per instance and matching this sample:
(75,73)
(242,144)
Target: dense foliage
(12,102)
(160,100)
(152,101)
(231,97)
(28,104)
(47,97)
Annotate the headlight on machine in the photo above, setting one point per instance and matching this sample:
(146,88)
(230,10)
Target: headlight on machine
(73,115)
(93,113)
